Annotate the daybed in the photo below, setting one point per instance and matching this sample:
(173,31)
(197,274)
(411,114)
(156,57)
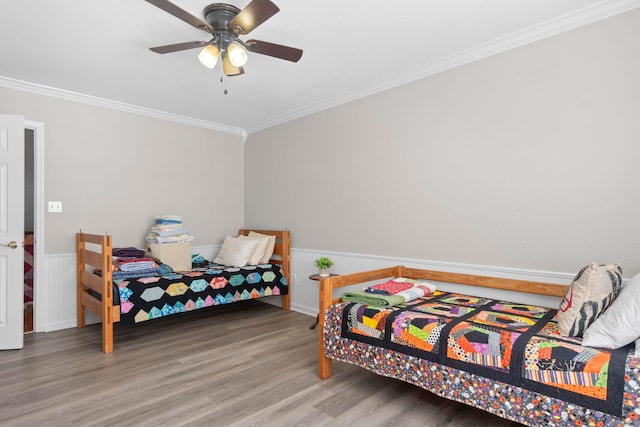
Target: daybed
(141,299)
(505,358)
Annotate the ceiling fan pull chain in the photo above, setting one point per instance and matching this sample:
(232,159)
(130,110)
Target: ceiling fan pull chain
(223,79)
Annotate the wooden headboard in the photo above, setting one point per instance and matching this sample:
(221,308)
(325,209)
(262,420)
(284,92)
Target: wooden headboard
(281,255)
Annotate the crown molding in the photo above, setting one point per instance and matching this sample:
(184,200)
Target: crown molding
(602,10)
(115,105)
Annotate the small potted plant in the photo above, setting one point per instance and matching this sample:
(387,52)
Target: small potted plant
(323,264)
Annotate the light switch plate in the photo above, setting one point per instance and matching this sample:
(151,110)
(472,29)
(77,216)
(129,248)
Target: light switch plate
(55,206)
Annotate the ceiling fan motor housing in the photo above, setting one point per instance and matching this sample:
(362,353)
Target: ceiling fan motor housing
(218,15)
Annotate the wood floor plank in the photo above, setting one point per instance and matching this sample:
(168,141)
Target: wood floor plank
(246,364)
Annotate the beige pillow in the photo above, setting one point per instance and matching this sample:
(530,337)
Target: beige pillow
(261,249)
(236,252)
(591,292)
(270,245)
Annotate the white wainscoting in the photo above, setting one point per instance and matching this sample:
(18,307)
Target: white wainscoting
(58,305)
(305,291)
(58,292)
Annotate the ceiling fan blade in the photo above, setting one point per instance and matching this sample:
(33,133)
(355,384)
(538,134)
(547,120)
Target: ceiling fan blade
(168,48)
(182,14)
(228,68)
(276,50)
(252,16)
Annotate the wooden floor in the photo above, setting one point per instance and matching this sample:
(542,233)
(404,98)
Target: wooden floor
(248,364)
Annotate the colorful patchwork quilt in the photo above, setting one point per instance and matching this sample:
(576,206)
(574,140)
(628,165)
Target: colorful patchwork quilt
(513,344)
(152,297)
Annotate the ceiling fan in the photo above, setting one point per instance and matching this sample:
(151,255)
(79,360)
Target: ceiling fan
(226,23)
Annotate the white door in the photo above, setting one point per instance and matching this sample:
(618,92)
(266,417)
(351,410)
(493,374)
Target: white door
(11,231)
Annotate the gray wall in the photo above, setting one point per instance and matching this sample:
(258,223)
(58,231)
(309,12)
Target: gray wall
(115,171)
(527,159)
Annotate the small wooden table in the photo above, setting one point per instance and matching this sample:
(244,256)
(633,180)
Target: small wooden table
(317,278)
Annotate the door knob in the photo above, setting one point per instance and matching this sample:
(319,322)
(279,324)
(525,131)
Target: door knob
(12,244)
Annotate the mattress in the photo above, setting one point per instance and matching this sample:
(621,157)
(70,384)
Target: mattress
(147,298)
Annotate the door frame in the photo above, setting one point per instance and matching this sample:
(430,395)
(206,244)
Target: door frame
(39,291)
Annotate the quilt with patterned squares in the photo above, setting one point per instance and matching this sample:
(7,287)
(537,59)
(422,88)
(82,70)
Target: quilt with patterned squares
(152,297)
(514,344)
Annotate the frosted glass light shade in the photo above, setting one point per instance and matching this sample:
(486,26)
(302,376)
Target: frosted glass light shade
(208,56)
(228,68)
(237,54)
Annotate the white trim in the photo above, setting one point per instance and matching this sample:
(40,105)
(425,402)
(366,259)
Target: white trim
(39,291)
(305,295)
(453,267)
(309,311)
(115,105)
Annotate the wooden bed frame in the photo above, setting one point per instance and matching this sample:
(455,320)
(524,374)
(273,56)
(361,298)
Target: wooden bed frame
(328,284)
(95,292)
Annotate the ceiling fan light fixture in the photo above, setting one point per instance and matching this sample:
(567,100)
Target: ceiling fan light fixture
(208,56)
(228,68)
(237,54)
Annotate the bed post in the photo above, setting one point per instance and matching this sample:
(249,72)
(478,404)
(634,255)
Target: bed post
(326,297)
(80,310)
(285,237)
(107,296)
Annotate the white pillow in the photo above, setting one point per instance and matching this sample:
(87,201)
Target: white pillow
(261,249)
(270,245)
(637,347)
(619,325)
(236,252)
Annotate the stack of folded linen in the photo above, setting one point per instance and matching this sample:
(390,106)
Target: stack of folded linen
(134,267)
(135,264)
(398,291)
(168,229)
(170,243)
(130,252)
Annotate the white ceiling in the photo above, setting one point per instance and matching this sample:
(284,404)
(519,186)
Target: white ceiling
(98,52)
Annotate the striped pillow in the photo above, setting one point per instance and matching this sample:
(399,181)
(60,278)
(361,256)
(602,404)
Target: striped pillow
(591,292)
